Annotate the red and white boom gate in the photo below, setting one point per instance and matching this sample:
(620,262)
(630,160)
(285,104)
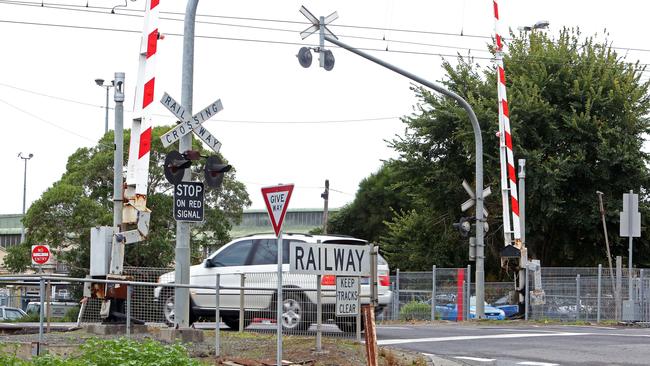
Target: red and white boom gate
(515,247)
(108,243)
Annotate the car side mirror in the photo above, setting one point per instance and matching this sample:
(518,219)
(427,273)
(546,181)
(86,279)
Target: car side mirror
(208,263)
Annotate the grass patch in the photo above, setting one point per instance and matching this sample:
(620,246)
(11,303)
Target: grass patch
(108,352)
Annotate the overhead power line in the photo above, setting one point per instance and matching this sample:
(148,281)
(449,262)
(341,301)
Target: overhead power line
(234,39)
(642,69)
(51,96)
(105,11)
(455,56)
(47,122)
(167,116)
(110,10)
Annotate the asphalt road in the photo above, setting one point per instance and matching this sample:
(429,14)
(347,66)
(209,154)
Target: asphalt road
(523,344)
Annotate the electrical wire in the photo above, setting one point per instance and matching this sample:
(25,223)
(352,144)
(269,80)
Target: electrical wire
(455,56)
(74,7)
(77,8)
(233,39)
(51,96)
(299,186)
(88,8)
(50,123)
(370,119)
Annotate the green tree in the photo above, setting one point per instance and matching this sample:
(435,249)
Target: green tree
(82,198)
(578,113)
(378,195)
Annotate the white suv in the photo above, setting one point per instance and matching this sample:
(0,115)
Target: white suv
(254,257)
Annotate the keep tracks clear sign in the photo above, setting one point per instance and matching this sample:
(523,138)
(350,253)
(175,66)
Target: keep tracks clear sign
(329,259)
(347,295)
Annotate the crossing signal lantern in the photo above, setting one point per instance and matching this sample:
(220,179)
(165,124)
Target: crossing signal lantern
(328,63)
(175,165)
(464,226)
(326,58)
(214,171)
(304,57)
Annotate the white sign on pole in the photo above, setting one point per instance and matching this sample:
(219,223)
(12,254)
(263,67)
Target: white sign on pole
(472,201)
(630,216)
(277,200)
(190,123)
(329,259)
(348,293)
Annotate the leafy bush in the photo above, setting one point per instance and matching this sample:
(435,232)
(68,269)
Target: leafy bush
(71,315)
(415,310)
(122,351)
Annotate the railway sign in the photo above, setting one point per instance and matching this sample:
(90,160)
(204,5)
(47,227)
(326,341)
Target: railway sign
(316,23)
(472,200)
(277,201)
(41,254)
(329,259)
(188,201)
(190,123)
(630,217)
(348,295)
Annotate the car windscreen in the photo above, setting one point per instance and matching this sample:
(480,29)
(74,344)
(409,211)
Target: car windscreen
(265,251)
(13,314)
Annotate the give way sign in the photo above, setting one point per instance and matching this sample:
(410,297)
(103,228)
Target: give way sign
(40,254)
(277,201)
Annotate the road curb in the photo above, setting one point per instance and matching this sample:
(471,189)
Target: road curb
(440,361)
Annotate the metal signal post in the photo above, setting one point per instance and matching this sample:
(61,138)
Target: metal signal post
(326,35)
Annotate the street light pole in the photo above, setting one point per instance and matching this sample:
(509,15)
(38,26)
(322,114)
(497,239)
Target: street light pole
(25,158)
(542,24)
(478,141)
(100,82)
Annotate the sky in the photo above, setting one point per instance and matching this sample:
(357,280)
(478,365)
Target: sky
(281,123)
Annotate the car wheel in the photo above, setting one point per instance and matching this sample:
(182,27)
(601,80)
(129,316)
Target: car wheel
(295,315)
(233,323)
(348,324)
(169,310)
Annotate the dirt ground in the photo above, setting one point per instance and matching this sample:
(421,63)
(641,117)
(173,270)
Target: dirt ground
(247,348)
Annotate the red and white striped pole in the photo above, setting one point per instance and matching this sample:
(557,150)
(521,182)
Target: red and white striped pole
(140,146)
(137,175)
(508,176)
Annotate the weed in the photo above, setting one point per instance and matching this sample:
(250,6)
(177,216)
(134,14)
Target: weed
(415,310)
(119,351)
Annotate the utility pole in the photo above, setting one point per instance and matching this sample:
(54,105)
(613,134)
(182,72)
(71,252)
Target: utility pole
(182,273)
(609,255)
(523,260)
(118,157)
(25,158)
(106,114)
(325,195)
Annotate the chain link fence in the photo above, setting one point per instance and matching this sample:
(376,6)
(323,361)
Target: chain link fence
(246,301)
(439,294)
(570,294)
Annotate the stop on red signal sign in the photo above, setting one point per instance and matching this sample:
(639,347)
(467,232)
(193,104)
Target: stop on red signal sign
(40,254)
